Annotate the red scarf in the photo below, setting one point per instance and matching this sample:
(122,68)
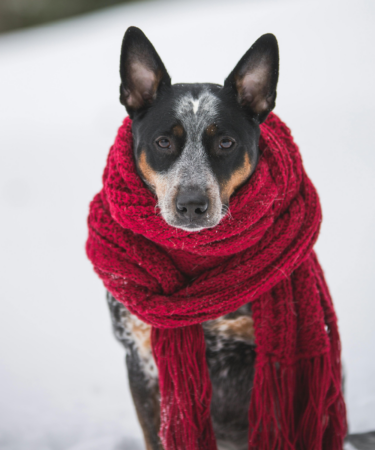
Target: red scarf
(261,253)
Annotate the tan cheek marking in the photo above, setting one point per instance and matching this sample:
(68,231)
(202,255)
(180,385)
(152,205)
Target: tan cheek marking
(241,328)
(153,179)
(142,335)
(178,130)
(238,177)
(211,129)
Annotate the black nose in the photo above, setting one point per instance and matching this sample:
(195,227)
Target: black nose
(191,205)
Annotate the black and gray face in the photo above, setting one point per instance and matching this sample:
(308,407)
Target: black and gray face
(195,144)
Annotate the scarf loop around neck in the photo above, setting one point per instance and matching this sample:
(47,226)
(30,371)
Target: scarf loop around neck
(262,253)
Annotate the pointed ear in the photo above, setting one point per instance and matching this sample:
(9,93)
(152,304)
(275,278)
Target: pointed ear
(254,79)
(142,72)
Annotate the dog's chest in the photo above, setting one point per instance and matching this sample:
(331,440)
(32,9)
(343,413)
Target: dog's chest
(230,354)
(224,337)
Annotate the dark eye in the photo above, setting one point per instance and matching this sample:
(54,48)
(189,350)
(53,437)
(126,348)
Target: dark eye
(164,143)
(226,143)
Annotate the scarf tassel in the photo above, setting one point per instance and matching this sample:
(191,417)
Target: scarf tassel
(185,388)
(292,406)
(296,406)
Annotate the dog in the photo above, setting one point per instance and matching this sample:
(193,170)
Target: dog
(194,146)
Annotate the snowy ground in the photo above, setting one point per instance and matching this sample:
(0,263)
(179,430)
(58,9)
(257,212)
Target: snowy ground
(62,380)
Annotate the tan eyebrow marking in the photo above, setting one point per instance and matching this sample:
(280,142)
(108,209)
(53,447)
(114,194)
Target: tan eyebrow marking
(211,129)
(178,130)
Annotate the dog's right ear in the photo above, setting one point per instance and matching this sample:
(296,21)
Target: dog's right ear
(254,79)
(142,72)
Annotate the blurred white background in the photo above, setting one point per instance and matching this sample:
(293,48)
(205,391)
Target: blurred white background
(62,378)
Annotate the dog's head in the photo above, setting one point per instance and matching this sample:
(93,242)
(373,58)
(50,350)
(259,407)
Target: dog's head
(195,144)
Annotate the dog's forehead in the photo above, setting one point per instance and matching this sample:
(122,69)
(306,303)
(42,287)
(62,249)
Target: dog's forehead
(197,112)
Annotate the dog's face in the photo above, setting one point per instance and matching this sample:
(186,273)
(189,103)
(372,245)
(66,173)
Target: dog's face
(195,144)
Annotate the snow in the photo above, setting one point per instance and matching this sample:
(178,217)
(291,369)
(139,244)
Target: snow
(62,377)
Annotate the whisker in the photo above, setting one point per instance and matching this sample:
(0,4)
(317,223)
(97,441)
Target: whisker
(226,211)
(157,210)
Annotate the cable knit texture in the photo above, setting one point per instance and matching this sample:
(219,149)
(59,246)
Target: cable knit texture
(262,253)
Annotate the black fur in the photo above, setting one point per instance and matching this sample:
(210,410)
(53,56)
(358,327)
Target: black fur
(231,368)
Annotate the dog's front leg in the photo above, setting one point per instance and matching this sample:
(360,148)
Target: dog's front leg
(134,335)
(146,399)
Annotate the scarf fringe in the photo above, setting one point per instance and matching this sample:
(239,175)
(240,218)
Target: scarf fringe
(185,388)
(296,406)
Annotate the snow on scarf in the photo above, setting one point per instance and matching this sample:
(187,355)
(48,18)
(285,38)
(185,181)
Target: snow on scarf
(174,280)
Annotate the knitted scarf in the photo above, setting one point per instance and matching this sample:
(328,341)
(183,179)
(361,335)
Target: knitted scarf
(261,253)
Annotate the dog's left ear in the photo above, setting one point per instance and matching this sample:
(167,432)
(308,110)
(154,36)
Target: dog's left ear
(142,72)
(254,79)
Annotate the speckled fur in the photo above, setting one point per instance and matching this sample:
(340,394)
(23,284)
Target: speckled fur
(135,337)
(192,169)
(230,356)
